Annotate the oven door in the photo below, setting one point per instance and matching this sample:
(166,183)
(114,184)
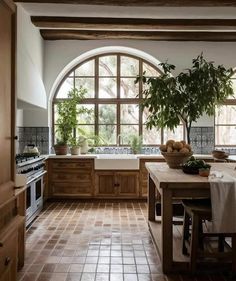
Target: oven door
(30,204)
(38,194)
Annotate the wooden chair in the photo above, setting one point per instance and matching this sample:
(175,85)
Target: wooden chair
(195,212)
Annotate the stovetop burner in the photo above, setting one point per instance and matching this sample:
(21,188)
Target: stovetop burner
(23,157)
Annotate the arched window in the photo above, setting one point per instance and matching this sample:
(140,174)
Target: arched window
(114,99)
(225,121)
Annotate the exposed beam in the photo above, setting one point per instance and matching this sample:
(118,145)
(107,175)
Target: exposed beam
(133,23)
(63,34)
(163,3)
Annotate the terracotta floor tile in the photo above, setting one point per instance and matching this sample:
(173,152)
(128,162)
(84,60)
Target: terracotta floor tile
(62,267)
(73,276)
(116,277)
(102,277)
(95,241)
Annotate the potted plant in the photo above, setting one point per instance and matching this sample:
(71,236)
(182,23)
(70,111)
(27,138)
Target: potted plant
(135,143)
(75,144)
(68,112)
(184,98)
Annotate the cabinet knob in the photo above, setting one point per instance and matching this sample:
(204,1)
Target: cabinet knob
(7,261)
(1,244)
(15,137)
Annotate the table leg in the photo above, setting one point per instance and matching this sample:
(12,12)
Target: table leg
(151,199)
(167,231)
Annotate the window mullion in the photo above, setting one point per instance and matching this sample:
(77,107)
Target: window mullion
(96,64)
(118,99)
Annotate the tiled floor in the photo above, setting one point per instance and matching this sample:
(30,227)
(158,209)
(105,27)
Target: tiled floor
(73,241)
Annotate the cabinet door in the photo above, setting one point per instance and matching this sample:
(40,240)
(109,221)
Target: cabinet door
(105,183)
(7,100)
(8,258)
(128,184)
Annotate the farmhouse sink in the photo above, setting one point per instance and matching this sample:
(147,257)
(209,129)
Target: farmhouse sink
(116,162)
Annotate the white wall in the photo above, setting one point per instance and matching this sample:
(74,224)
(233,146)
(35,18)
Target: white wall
(59,54)
(19,118)
(35,118)
(30,55)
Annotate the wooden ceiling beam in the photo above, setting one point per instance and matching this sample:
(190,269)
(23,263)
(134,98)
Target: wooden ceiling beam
(133,23)
(63,34)
(141,3)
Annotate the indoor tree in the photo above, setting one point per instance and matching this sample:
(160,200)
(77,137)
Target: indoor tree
(171,100)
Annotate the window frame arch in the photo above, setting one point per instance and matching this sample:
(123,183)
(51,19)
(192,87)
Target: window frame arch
(118,100)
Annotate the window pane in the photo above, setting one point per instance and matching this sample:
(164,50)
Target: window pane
(129,66)
(107,88)
(108,134)
(87,117)
(177,134)
(107,114)
(129,114)
(85,130)
(127,131)
(128,89)
(86,69)
(225,135)
(226,114)
(88,84)
(108,66)
(66,86)
(149,70)
(151,137)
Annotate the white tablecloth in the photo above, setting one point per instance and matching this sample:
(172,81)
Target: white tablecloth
(223,200)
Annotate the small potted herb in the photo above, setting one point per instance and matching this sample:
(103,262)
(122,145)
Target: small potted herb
(204,171)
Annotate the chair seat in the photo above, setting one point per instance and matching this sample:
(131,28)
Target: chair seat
(198,206)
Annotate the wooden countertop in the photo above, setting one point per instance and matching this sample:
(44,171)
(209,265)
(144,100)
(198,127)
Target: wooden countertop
(161,173)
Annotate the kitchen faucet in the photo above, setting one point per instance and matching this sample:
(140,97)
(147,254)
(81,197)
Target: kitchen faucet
(119,137)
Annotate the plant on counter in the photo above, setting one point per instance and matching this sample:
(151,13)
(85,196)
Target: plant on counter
(192,166)
(183,99)
(68,112)
(135,143)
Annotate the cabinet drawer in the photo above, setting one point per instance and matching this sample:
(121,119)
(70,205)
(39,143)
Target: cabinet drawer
(83,164)
(8,254)
(72,190)
(72,177)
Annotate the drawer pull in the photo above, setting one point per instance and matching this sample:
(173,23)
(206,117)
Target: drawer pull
(1,244)
(7,261)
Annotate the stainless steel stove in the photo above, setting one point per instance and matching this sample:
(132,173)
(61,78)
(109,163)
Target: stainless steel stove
(34,169)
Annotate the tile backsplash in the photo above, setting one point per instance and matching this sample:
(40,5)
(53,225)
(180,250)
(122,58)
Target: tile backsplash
(38,136)
(202,139)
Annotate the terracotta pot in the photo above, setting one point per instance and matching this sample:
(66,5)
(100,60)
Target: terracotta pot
(60,149)
(75,150)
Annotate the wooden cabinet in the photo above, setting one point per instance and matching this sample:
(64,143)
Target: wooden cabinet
(72,178)
(119,184)
(8,256)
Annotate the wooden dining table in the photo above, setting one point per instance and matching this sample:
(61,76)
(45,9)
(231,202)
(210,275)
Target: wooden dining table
(174,184)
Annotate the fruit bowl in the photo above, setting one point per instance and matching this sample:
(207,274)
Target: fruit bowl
(175,160)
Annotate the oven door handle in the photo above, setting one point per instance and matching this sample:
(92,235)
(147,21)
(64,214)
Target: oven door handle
(37,177)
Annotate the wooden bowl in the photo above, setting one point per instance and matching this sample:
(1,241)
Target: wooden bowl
(220,154)
(175,160)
